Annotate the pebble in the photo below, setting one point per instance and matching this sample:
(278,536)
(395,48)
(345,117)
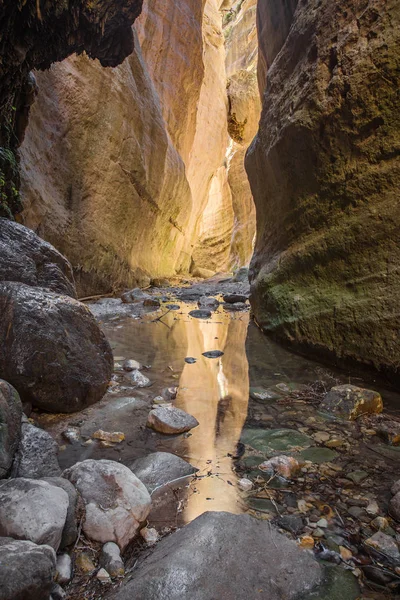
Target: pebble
(323,523)
(150,535)
(286,466)
(103,576)
(318,533)
(357,476)
(380,523)
(321,436)
(131,365)
(111,560)
(64,568)
(114,438)
(372,508)
(213,353)
(245,484)
(72,434)
(307,542)
(84,563)
(190,360)
(140,380)
(200,314)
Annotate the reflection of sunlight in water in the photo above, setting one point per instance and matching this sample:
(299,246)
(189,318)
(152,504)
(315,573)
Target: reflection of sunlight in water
(216,392)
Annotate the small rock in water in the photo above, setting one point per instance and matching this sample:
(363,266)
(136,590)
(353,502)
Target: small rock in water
(115,437)
(190,360)
(173,306)
(321,436)
(170,420)
(131,365)
(357,476)
(111,560)
(150,536)
(234,298)
(286,466)
(170,393)
(72,435)
(245,484)
(64,568)
(390,432)
(384,544)
(200,314)
(213,353)
(84,563)
(350,402)
(153,302)
(237,306)
(380,523)
(372,508)
(208,301)
(323,523)
(139,380)
(103,576)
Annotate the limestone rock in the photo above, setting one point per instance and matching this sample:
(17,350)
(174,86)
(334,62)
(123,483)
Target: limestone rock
(110,559)
(70,531)
(170,420)
(116,501)
(10,425)
(51,349)
(27,570)
(37,454)
(205,560)
(350,401)
(26,258)
(33,510)
(323,174)
(160,468)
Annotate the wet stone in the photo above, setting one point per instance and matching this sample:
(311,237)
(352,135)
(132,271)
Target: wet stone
(292,523)
(238,306)
(190,360)
(170,420)
(384,544)
(263,395)
(208,301)
(234,298)
(131,365)
(213,353)
(270,441)
(173,306)
(350,401)
(318,455)
(200,314)
(160,468)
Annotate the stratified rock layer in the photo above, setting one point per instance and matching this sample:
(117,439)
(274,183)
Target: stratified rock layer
(324,170)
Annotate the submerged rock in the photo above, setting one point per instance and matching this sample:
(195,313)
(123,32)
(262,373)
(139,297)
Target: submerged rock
(208,301)
(116,501)
(213,354)
(221,555)
(235,298)
(236,307)
(27,570)
(36,456)
(170,420)
(33,510)
(350,402)
(190,360)
(51,349)
(10,425)
(200,314)
(28,259)
(286,466)
(270,441)
(160,468)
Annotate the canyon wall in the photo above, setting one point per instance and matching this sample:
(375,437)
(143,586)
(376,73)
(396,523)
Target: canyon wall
(325,173)
(130,172)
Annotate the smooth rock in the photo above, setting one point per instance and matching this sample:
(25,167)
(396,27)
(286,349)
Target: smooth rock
(36,456)
(245,484)
(103,576)
(170,420)
(150,535)
(238,306)
(27,570)
(213,353)
(151,302)
(116,501)
(208,301)
(110,559)
(157,469)
(357,476)
(131,365)
(190,360)
(28,259)
(221,555)
(394,506)
(235,298)
(200,314)
(64,569)
(139,380)
(10,425)
(33,510)
(350,401)
(70,531)
(286,466)
(57,357)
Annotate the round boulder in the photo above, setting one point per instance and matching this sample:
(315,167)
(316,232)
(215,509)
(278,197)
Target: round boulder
(51,349)
(116,501)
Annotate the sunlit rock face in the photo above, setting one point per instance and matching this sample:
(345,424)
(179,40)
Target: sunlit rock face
(324,170)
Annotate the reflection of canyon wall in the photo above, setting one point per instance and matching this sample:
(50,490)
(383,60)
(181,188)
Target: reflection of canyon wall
(325,174)
(125,171)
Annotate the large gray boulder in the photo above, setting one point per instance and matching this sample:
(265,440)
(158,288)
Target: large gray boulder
(221,556)
(26,258)
(33,510)
(52,349)
(10,425)
(159,468)
(26,570)
(116,501)
(36,456)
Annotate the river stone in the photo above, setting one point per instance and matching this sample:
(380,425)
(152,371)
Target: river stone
(208,301)
(190,360)
(235,298)
(160,468)
(200,314)
(28,259)
(350,401)
(27,570)
(116,501)
(384,544)
(64,568)
(270,441)
(135,295)
(394,506)
(36,456)
(318,455)
(213,353)
(70,531)
(33,510)
(138,379)
(222,555)
(170,420)
(263,395)
(10,425)
(292,523)
(238,306)
(111,561)
(52,349)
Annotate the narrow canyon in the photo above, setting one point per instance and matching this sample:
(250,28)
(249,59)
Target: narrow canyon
(199,274)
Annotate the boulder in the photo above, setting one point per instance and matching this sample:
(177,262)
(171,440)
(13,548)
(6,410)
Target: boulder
(36,456)
(27,570)
(170,420)
(10,425)
(159,468)
(116,501)
(350,401)
(51,349)
(70,531)
(33,510)
(222,555)
(28,259)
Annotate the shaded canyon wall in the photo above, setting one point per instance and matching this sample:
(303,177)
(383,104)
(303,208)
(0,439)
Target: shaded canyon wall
(127,171)
(325,174)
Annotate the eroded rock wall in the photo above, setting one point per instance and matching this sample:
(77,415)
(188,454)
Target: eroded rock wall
(325,173)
